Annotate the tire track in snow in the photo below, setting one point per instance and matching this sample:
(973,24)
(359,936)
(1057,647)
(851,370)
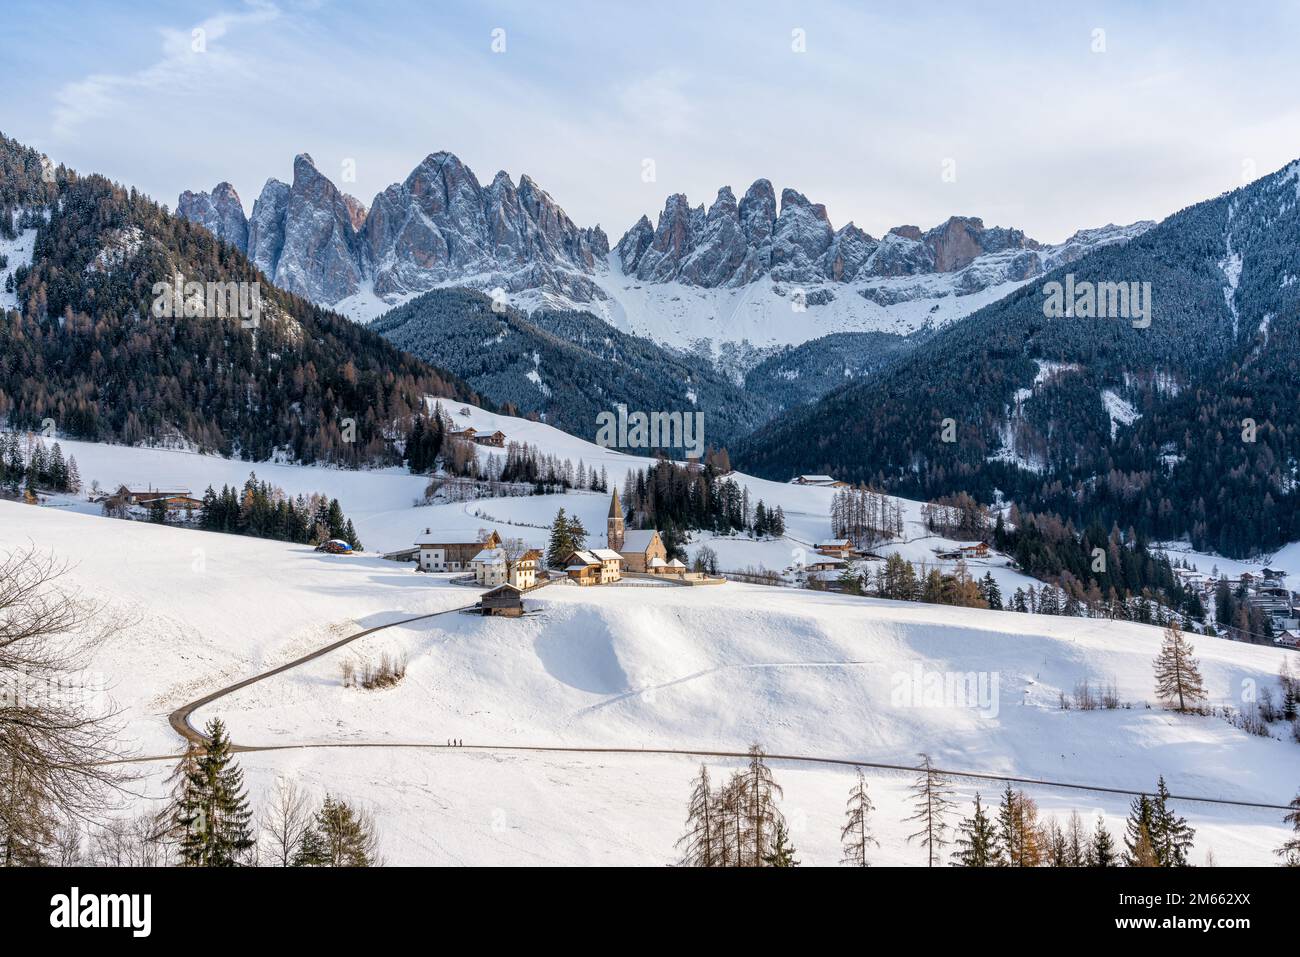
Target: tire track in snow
(180,722)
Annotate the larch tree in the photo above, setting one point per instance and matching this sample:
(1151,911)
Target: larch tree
(856,833)
(759,792)
(932,803)
(1178,675)
(1019,834)
(699,845)
(1076,841)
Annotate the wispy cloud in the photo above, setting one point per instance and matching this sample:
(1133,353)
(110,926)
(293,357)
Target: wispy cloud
(189,58)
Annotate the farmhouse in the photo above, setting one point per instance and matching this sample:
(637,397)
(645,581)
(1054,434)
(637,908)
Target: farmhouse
(638,547)
(838,548)
(444,556)
(176,500)
(524,573)
(492,566)
(496,438)
(596,567)
(489,567)
(826,563)
(825,481)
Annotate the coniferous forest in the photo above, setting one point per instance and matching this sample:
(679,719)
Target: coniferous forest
(86,351)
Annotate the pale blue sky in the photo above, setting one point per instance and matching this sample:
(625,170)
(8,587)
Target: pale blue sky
(1046,134)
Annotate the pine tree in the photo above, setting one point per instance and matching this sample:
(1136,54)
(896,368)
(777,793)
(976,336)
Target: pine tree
(347,837)
(1171,835)
(561,544)
(1139,846)
(1018,835)
(990,592)
(311,849)
(1101,851)
(977,840)
(932,800)
(856,833)
(213,814)
(1290,851)
(782,852)
(1178,675)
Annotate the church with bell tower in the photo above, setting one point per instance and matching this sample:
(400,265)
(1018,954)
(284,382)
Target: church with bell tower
(642,548)
(614,525)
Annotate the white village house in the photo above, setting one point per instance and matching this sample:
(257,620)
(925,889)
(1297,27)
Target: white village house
(492,567)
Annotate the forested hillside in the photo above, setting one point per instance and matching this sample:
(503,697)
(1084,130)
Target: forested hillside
(86,350)
(1185,427)
(566,366)
(804,373)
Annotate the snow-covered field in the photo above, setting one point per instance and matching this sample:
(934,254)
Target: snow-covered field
(704,668)
(381,503)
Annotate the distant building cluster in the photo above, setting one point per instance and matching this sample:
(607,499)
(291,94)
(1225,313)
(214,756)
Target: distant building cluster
(1265,590)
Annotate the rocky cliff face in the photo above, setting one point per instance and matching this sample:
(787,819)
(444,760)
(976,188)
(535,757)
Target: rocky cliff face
(439,226)
(442,227)
(220,212)
(733,243)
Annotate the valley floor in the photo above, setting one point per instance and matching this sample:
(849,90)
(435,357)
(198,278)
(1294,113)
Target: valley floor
(632,667)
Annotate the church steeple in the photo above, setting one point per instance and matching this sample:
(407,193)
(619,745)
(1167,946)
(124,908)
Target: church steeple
(614,525)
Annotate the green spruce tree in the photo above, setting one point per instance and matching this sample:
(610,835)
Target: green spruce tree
(212,816)
(977,841)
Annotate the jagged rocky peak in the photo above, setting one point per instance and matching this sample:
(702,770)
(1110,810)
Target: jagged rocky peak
(319,257)
(437,226)
(960,240)
(266,226)
(220,212)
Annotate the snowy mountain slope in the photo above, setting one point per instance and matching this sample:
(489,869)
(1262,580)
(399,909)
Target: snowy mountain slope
(18,252)
(725,275)
(802,672)
(1158,400)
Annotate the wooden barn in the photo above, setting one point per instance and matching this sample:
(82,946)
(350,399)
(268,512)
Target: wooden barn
(504,600)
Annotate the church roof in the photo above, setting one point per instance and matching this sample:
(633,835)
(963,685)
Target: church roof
(637,540)
(615,510)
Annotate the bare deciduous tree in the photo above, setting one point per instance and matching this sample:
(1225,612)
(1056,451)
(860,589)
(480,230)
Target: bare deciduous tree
(856,833)
(130,842)
(285,822)
(932,796)
(57,730)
